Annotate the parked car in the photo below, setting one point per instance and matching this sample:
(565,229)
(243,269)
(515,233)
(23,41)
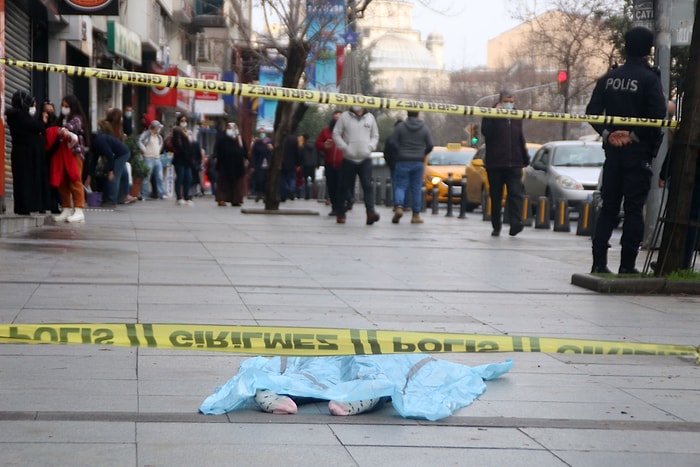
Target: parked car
(564,170)
(477,180)
(442,161)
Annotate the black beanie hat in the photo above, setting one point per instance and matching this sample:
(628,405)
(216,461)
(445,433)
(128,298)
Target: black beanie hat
(638,42)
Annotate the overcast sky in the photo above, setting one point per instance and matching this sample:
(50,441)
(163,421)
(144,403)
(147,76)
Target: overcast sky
(466,32)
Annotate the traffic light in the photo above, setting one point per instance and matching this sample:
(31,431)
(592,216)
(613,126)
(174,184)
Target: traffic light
(563,81)
(474,134)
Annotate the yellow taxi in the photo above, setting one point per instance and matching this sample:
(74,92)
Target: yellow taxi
(477,180)
(442,161)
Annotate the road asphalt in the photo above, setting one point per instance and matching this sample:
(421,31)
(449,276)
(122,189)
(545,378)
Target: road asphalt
(156,262)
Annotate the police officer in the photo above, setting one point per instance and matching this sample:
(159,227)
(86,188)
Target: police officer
(632,90)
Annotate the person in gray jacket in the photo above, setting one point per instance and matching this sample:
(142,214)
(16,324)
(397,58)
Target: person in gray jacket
(356,134)
(413,142)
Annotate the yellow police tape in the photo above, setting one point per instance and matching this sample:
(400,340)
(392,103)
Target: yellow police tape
(322,97)
(301,341)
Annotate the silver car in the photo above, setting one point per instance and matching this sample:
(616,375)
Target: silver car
(564,170)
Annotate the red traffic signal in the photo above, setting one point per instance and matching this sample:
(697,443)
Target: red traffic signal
(563,81)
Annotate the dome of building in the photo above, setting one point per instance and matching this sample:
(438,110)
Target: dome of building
(393,51)
(435,37)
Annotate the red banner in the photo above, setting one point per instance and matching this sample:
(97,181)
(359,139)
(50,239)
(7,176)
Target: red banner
(164,97)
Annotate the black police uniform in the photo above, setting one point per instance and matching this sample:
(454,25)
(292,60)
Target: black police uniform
(632,90)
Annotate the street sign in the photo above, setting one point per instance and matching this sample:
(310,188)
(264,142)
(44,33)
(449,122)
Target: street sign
(682,15)
(643,11)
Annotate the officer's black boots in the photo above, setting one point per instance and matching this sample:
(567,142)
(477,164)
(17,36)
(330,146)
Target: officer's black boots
(627,260)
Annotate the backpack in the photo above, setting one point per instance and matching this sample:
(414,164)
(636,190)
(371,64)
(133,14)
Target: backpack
(168,144)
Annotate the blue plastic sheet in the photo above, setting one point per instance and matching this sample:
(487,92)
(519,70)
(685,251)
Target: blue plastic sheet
(420,386)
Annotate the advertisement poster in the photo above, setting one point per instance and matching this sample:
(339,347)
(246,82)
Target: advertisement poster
(326,30)
(270,75)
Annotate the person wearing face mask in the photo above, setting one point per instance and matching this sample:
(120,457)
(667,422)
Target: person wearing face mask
(231,161)
(151,145)
(28,158)
(261,155)
(506,155)
(356,134)
(128,122)
(76,132)
(182,161)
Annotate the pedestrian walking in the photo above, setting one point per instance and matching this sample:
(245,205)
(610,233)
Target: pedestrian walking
(332,160)
(413,143)
(506,155)
(356,134)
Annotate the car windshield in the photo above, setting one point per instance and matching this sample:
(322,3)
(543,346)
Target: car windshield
(450,158)
(579,156)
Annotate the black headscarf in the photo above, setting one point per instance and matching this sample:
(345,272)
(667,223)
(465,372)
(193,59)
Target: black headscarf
(22,100)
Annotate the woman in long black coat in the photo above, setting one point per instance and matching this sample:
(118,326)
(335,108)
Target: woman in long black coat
(231,158)
(29,166)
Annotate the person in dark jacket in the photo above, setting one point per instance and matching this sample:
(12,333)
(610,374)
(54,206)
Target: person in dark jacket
(506,155)
(413,142)
(231,159)
(116,154)
(632,90)
(182,161)
(290,160)
(29,167)
(261,157)
(310,161)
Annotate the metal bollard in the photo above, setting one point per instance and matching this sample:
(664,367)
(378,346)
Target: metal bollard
(423,200)
(527,212)
(485,206)
(450,181)
(307,188)
(463,198)
(561,217)
(388,193)
(586,214)
(435,200)
(542,220)
(378,192)
(322,190)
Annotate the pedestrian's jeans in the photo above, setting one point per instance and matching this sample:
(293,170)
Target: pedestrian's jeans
(183,182)
(408,176)
(348,172)
(118,171)
(155,168)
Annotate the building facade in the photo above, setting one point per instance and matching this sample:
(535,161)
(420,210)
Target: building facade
(194,38)
(401,64)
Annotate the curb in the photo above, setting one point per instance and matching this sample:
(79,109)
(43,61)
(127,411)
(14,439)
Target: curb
(281,212)
(11,224)
(637,286)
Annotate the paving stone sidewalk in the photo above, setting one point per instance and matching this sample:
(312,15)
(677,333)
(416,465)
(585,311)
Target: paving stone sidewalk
(155,262)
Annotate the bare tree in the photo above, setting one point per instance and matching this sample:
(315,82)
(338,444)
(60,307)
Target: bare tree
(293,29)
(571,36)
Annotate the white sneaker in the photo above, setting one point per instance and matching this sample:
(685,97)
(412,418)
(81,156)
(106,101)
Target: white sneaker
(65,213)
(189,202)
(77,217)
(181,202)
